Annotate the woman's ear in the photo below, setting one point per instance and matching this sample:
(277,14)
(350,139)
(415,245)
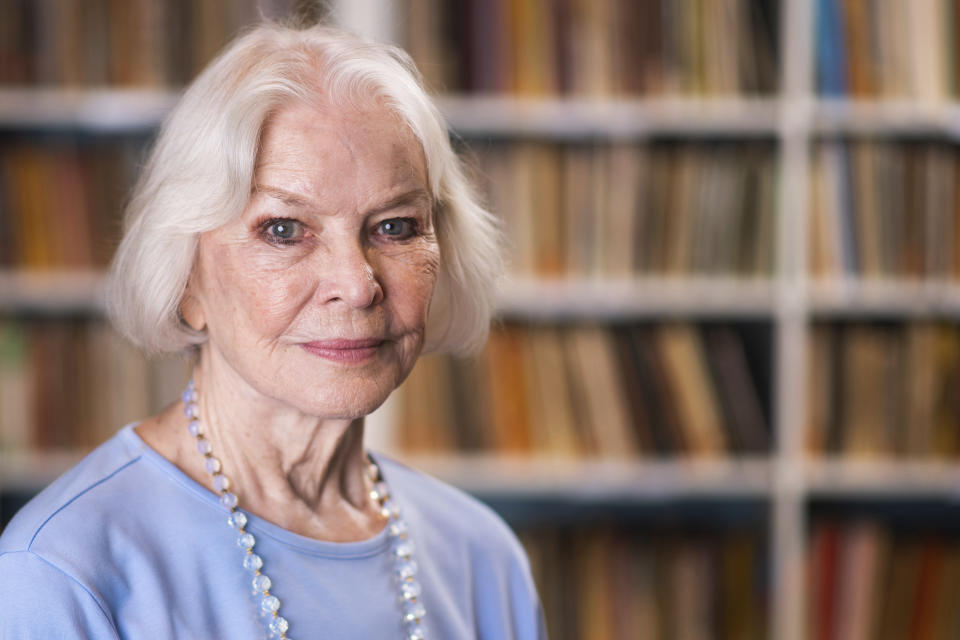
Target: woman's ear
(191,312)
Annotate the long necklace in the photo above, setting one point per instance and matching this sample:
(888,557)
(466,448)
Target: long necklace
(412,609)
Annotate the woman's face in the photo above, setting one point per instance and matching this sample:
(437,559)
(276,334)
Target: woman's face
(317,295)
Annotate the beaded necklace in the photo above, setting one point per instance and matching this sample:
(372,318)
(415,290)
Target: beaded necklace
(412,610)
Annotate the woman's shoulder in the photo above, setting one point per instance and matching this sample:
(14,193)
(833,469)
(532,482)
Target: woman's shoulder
(67,498)
(453,512)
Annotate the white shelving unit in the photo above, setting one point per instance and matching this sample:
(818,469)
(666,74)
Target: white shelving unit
(790,300)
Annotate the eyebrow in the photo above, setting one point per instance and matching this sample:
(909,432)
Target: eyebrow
(289,198)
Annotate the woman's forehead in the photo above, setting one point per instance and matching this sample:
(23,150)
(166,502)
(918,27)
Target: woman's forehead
(307,146)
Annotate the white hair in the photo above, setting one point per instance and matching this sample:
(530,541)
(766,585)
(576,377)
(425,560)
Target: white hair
(199,176)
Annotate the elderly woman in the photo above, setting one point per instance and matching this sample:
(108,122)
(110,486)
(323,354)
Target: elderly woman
(304,226)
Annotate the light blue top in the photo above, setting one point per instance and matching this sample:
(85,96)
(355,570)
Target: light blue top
(125,545)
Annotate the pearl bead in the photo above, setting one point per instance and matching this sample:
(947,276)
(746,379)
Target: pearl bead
(413,612)
(246,540)
(212,465)
(261,584)
(252,562)
(269,604)
(279,625)
(237,519)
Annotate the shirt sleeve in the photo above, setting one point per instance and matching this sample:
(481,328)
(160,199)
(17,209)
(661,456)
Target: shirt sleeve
(41,601)
(506,603)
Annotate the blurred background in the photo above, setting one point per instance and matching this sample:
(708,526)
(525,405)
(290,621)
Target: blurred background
(722,395)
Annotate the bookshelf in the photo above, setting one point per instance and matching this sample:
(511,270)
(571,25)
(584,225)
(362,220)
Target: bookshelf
(793,118)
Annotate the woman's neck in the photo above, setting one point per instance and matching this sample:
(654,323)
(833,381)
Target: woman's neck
(303,473)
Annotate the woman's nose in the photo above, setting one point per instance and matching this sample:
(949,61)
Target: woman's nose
(350,278)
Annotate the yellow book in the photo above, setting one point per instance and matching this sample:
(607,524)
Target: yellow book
(691,388)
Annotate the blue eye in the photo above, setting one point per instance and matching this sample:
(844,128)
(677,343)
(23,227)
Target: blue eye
(282,231)
(397,227)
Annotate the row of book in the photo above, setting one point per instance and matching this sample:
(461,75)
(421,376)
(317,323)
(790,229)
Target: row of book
(584,390)
(885,389)
(118,42)
(869,581)
(905,50)
(607,583)
(878,209)
(61,201)
(614,210)
(596,47)
(883,209)
(70,384)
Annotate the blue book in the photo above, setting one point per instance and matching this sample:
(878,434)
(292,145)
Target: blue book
(831,49)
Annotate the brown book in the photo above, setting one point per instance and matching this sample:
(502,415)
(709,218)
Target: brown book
(946,404)
(682,354)
(551,410)
(681,214)
(946,613)
(578,209)
(626,164)
(901,581)
(607,411)
(822,576)
(590,55)
(923,613)
(868,225)
(69,199)
(16,390)
(636,391)
(745,425)
(31,207)
(856,21)
(470,386)
(691,579)
(9,234)
(819,384)
(913,230)
(547,229)
(423,408)
(533,35)
(508,391)
(865,419)
(659,399)
(920,386)
(956,207)
(737,588)
(593,584)
(862,545)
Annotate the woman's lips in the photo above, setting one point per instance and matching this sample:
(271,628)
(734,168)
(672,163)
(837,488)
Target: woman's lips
(344,350)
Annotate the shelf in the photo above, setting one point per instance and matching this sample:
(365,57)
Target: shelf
(52,291)
(512,476)
(887,117)
(579,299)
(123,110)
(107,109)
(30,472)
(903,298)
(96,110)
(605,479)
(852,477)
(82,292)
(636,298)
(566,118)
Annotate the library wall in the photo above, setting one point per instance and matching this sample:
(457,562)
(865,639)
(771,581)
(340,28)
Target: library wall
(726,358)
